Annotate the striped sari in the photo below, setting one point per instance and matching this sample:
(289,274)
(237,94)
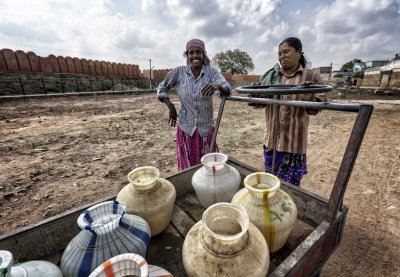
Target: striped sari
(190,149)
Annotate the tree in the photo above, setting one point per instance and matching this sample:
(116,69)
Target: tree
(349,65)
(233,61)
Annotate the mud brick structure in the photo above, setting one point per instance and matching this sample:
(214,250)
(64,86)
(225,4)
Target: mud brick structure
(156,74)
(20,63)
(383,77)
(23,61)
(11,60)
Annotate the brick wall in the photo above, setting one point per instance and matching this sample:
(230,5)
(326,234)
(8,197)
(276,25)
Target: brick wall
(395,79)
(374,80)
(156,74)
(371,80)
(20,63)
(227,76)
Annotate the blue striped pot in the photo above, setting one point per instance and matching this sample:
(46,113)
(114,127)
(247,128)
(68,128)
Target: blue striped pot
(106,232)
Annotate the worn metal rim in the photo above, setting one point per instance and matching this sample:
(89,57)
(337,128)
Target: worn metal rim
(283,89)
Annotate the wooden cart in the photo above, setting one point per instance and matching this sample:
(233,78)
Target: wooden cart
(317,232)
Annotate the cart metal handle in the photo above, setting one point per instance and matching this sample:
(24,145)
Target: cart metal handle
(284,89)
(353,145)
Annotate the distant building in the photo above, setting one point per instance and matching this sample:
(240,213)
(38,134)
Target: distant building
(387,76)
(362,66)
(338,73)
(359,67)
(376,63)
(324,71)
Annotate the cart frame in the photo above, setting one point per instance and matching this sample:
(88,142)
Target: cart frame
(48,238)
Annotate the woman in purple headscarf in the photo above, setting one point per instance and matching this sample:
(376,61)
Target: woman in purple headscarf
(195,84)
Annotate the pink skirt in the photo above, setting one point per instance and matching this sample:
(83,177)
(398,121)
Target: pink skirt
(190,149)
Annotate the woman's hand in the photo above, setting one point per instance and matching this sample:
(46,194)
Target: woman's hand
(209,89)
(312,111)
(172,115)
(256,105)
(172,111)
(306,83)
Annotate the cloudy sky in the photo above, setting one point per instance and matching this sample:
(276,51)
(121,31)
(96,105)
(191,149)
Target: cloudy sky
(134,31)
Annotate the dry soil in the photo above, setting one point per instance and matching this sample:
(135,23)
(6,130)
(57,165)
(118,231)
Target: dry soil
(58,153)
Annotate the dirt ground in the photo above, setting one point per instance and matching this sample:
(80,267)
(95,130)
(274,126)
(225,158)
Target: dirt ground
(62,152)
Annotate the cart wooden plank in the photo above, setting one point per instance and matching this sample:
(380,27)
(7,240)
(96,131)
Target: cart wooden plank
(182,221)
(165,250)
(47,239)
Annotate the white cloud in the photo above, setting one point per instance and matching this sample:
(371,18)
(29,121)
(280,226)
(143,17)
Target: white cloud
(265,60)
(223,24)
(295,13)
(220,18)
(352,29)
(76,28)
(135,31)
(277,32)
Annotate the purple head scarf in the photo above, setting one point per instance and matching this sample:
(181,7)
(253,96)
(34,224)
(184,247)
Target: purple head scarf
(198,43)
